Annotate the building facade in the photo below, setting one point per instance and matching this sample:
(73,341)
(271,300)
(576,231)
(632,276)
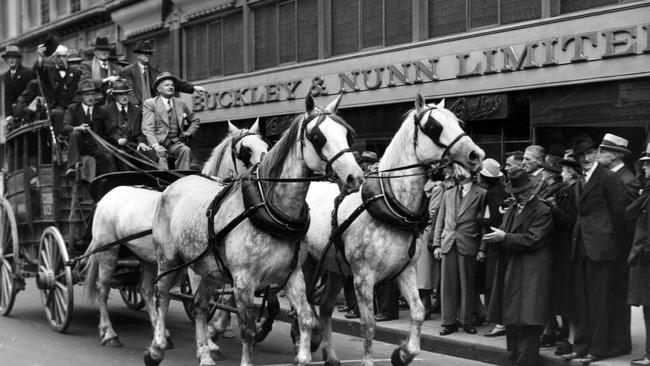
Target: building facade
(516,71)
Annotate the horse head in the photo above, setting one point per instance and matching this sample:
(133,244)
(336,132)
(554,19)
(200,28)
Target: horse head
(326,140)
(248,147)
(439,135)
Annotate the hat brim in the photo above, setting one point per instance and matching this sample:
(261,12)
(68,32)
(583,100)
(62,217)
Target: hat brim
(487,174)
(510,189)
(87,91)
(170,77)
(117,92)
(11,54)
(148,52)
(582,150)
(104,47)
(617,149)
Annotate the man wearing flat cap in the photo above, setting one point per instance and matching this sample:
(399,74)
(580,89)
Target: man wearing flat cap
(15,79)
(100,67)
(79,119)
(522,284)
(610,155)
(600,220)
(141,75)
(167,121)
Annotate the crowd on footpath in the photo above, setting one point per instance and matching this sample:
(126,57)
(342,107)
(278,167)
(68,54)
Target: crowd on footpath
(132,106)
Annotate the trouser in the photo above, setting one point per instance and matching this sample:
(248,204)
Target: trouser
(458,283)
(82,143)
(179,151)
(646,320)
(348,292)
(593,306)
(523,344)
(620,339)
(387,297)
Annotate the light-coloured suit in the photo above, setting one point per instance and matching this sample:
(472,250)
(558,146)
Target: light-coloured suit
(458,234)
(156,128)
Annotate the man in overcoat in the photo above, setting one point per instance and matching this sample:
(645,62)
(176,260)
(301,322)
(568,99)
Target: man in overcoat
(534,156)
(639,258)
(101,68)
(167,121)
(520,295)
(15,79)
(457,241)
(600,218)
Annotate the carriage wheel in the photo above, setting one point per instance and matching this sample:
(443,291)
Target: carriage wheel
(54,279)
(131,297)
(8,257)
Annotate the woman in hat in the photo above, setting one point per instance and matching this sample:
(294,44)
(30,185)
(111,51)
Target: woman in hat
(639,258)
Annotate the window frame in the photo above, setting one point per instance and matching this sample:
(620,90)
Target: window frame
(276,14)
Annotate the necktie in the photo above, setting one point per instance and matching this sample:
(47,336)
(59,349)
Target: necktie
(146,87)
(88,115)
(123,113)
(170,109)
(13,74)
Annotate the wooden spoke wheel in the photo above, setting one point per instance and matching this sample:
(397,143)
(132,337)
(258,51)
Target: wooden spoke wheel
(8,257)
(131,297)
(54,279)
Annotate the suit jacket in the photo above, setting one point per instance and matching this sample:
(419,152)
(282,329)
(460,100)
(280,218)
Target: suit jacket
(75,116)
(91,69)
(132,131)
(461,227)
(521,293)
(15,86)
(58,91)
(133,75)
(600,220)
(638,211)
(155,121)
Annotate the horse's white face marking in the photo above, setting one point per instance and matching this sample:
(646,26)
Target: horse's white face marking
(256,145)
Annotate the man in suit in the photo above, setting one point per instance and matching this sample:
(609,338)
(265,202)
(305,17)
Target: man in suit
(600,207)
(141,75)
(457,241)
(610,155)
(522,286)
(100,67)
(125,125)
(15,79)
(534,156)
(59,82)
(78,119)
(163,121)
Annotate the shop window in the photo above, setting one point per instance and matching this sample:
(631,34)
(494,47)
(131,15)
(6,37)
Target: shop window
(266,37)
(233,42)
(215,52)
(513,11)
(361,24)
(196,52)
(447,17)
(307,42)
(75,5)
(568,6)
(45,11)
(483,13)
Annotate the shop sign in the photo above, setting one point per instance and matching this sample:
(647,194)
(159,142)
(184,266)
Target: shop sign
(545,53)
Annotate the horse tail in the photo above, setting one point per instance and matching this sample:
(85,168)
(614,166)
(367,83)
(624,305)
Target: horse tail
(92,272)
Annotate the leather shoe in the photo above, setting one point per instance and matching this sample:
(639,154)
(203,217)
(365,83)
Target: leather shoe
(563,348)
(641,361)
(547,340)
(343,309)
(496,332)
(447,330)
(469,329)
(352,314)
(588,359)
(478,320)
(384,317)
(571,356)
(70,173)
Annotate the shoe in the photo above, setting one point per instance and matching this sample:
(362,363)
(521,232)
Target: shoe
(588,359)
(641,361)
(572,356)
(343,309)
(403,305)
(547,340)
(352,314)
(435,308)
(478,320)
(496,332)
(70,173)
(469,329)
(447,330)
(563,348)
(384,317)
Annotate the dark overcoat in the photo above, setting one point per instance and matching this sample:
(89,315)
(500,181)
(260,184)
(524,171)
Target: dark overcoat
(14,86)
(639,258)
(520,295)
(494,199)
(132,131)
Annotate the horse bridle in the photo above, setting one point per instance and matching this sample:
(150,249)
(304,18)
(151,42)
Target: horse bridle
(318,139)
(244,153)
(433,129)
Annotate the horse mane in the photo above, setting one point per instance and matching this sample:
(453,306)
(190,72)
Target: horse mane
(212,165)
(271,166)
(403,137)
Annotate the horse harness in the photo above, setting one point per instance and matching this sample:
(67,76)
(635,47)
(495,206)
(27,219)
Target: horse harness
(244,153)
(432,128)
(318,139)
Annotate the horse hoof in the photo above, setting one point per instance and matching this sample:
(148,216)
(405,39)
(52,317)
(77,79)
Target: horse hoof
(149,360)
(216,355)
(170,343)
(112,342)
(396,359)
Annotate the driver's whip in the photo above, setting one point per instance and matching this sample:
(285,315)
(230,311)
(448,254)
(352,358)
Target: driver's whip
(55,143)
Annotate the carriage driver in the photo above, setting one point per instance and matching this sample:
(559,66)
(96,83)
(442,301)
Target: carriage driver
(163,119)
(78,120)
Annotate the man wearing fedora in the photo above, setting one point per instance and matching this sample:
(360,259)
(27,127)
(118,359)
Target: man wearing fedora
(58,81)
(639,258)
(81,117)
(125,120)
(15,79)
(100,67)
(610,155)
(141,75)
(522,284)
(163,120)
(600,214)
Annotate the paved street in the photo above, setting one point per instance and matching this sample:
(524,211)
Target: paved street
(26,339)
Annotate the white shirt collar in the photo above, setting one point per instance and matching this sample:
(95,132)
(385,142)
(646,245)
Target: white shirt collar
(536,172)
(466,187)
(589,172)
(120,107)
(618,167)
(87,108)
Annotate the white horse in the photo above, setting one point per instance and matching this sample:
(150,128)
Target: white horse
(125,211)
(377,251)
(251,257)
